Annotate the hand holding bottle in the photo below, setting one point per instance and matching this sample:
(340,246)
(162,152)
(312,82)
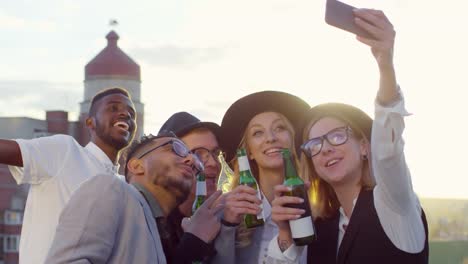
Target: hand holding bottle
(239,202)
(281,213)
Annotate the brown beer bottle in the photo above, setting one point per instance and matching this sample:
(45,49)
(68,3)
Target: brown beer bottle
(302,229)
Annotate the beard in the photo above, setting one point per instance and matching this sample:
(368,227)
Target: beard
(179,187)
(118,144)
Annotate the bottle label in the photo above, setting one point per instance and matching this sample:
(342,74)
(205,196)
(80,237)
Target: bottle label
(301,227)
(201,188)
(243,163)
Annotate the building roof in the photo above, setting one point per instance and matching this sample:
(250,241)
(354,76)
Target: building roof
(112,61)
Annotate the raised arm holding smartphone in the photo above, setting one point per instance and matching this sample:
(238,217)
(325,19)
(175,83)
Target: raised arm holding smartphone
(363,213)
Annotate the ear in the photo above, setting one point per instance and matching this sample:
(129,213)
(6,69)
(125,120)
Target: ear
(135,167)
(90,123)
(364,147)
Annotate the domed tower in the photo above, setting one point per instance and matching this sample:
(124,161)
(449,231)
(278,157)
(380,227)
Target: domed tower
(111,68)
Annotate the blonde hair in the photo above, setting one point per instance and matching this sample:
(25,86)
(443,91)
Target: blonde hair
(244,234)
(323,198)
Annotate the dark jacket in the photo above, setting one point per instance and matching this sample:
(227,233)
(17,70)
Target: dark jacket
(364,242)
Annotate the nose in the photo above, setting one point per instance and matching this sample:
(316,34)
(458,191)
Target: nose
(192,161)
(189,160)
(211,161)
(124,113)
(271,136)
(327,147)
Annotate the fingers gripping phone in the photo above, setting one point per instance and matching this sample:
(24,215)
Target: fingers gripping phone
(341,15)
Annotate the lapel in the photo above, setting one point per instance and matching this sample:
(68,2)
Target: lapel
(360,211)
(151,223)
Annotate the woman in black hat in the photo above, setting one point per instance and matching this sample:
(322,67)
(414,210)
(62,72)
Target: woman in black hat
(263,123)
(364,205)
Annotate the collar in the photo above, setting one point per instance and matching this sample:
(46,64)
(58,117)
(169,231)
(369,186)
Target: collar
(102,157)
(344,220)
(156,209)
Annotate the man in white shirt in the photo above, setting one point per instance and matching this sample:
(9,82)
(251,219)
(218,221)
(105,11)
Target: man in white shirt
(55,166)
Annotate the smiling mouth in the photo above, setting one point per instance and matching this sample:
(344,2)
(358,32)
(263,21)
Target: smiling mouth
(122,125)
(332,162)
(272,151)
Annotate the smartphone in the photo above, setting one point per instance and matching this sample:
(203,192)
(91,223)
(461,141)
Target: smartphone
(340,15)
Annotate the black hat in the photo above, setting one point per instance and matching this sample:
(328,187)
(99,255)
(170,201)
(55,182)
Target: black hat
(182,123)
(357,119)
(239,114)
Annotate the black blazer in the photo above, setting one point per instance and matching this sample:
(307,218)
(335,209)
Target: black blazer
(364,242)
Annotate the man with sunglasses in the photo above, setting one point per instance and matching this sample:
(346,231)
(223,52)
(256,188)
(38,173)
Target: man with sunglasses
(168,191)
(110,221)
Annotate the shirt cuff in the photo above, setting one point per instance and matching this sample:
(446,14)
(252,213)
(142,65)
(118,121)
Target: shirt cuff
(384,112)
(22,174)
(291,254)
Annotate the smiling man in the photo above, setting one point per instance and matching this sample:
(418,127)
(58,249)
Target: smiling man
(55,166)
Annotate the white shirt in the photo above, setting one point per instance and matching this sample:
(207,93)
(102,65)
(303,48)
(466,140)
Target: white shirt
(396,203)
(344,221)
(270,229)
(54,167)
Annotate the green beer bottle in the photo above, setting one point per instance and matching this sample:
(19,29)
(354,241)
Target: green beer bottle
(200,192)
(246,178)
(200,196)
(302,229)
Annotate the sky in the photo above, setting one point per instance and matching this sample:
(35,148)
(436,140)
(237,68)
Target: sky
(200,56)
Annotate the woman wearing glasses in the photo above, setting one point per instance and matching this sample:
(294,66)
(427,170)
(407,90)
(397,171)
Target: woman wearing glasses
(263,123)
(364,205)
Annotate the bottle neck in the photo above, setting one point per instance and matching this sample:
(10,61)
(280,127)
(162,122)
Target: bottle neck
(289,168)
(243,163)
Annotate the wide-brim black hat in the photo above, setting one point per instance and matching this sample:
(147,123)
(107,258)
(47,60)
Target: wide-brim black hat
(239,114)
(353,116)
(182,123)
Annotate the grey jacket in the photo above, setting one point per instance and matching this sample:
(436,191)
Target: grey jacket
(106,221)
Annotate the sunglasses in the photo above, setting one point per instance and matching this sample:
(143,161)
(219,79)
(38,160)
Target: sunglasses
(335,137)
(181,150)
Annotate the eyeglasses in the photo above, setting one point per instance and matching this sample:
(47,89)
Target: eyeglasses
(181,150)
(204,154)
(335,137)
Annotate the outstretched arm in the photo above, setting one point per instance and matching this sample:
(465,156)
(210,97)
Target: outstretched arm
(396,203)
(389,164)
(10,153)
